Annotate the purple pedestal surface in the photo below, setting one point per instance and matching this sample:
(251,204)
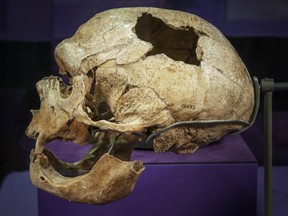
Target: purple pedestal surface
(220,179)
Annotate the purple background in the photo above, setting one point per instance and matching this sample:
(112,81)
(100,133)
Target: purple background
(232,149)
(48,19)
(183,189)
(219,180)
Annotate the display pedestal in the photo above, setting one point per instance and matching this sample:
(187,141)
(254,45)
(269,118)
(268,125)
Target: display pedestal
(220,179)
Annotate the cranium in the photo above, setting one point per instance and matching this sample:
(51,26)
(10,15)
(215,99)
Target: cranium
(133,72)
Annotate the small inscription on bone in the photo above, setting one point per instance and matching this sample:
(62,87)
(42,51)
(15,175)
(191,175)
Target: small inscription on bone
(188,106)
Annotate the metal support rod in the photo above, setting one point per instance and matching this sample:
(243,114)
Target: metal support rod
(281,86)
(267,88)
(268,152)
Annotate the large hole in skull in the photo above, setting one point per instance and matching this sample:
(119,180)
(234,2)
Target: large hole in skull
(178,44)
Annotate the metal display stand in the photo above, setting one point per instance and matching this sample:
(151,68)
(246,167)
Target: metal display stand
(268,87)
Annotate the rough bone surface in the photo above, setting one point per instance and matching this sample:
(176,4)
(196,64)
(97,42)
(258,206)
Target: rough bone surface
(138,70)
(110,179)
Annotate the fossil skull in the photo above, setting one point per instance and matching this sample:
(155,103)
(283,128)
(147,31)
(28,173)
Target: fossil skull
(133,72)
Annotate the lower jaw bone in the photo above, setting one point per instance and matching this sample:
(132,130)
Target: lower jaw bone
(110,179)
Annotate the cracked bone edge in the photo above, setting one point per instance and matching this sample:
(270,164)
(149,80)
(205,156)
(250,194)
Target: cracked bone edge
(109,180)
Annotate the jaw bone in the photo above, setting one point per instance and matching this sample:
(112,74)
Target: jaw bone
(110,177)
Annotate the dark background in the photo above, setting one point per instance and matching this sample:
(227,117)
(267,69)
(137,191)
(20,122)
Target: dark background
(30,29)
